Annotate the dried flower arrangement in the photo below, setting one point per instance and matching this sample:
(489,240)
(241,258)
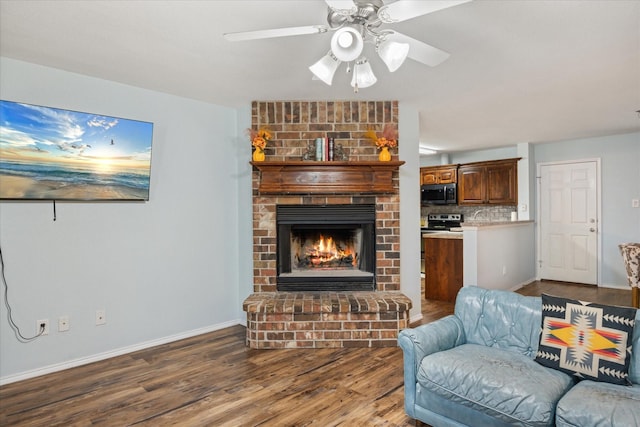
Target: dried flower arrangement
(259,138)
(387,138)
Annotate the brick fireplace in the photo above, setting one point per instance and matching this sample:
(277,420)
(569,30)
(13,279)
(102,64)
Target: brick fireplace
(317,317)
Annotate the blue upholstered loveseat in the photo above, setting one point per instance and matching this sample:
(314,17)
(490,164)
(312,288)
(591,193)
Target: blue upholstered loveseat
(477,368)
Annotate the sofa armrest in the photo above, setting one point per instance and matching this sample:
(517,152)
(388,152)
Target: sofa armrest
(416,343)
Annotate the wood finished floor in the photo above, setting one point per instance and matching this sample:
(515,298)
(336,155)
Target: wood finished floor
(215,380)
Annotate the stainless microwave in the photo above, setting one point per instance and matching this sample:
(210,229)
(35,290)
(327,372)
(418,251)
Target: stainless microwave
(439,194)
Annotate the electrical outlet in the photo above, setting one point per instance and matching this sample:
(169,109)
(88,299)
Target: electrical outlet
(39,327)
(635,203)
(101,317)
(504,270)
(63,323)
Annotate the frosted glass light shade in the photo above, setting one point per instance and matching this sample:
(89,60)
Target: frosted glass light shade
(325,68)
(393,54)
(363,74)
(347,44)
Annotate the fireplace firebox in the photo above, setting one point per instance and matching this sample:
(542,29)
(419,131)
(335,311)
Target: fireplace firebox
(325,247)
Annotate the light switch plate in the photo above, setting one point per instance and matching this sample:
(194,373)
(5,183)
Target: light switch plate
(635,203)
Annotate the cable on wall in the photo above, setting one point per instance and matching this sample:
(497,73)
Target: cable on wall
(14,326)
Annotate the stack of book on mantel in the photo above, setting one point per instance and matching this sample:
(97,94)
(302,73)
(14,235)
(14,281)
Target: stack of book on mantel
(324,149)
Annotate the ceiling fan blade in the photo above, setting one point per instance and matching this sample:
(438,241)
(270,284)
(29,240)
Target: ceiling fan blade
(420,51)
(275,32)
(407,9)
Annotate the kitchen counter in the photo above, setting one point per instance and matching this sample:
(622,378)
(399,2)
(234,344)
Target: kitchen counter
(474,225)
(442,235)
(492,255)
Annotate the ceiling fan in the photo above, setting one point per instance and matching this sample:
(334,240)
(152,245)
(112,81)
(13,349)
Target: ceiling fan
(356,22)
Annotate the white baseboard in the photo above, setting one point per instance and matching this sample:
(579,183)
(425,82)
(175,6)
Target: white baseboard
(522,284)
(117,352)
(615,286)
(418,317)
(607,285)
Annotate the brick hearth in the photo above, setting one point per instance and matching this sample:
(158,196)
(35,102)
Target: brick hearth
(324,319)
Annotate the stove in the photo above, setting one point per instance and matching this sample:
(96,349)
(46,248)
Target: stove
(443,222)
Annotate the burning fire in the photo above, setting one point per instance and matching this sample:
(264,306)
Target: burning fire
(325,251)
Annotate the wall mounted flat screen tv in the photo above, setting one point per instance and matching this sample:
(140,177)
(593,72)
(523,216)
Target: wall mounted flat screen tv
(54,154)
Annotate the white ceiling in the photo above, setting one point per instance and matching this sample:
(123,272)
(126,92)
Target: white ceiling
(519,71)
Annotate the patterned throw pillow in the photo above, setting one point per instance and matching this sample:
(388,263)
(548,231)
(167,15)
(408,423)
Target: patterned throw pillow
(591,341)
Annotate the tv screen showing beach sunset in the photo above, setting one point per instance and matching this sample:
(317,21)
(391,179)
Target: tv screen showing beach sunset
(53,154)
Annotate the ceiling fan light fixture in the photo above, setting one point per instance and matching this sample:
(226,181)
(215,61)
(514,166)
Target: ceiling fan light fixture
(357,21)
(393,54)
(347,44)
(362,75)
(326,68)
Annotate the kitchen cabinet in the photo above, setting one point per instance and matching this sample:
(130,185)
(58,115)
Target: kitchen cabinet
(494,182)
(446,174)
(443,267)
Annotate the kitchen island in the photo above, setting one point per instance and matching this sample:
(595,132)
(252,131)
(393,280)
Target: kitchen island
(491,255)
(499,255)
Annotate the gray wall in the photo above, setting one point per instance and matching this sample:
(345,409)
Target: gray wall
(162,269)
(244,210)
(410,284)
(620,178)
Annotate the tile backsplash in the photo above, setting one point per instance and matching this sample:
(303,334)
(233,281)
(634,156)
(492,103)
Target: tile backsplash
(496,213)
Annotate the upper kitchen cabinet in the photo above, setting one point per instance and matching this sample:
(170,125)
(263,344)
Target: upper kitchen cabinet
(494,182)
(446,174)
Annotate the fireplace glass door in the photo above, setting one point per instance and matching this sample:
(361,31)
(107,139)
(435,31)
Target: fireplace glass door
(328,248)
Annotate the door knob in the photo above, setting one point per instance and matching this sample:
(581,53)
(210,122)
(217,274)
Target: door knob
(592,230)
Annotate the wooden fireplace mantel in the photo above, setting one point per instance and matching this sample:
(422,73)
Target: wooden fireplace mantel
(308,177)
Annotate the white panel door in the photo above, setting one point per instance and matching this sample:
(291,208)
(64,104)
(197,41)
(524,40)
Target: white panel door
(568,222)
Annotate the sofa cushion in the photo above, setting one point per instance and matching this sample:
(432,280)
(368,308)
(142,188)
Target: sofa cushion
(501,383)
(591,341)
(599,404)
(500,319)
(634,369)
